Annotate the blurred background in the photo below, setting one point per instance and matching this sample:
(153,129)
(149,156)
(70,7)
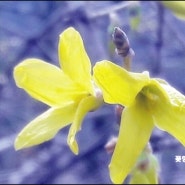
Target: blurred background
(31,29)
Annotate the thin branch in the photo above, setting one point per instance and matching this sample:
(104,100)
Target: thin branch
(113,8)
(175,31)
(159,42)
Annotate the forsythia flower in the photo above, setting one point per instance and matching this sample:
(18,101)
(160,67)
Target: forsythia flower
(148,102)
(69,91)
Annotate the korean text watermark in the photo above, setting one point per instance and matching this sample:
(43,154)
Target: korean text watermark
(180,158)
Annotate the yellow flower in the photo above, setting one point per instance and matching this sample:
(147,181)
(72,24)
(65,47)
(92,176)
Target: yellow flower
(148,102)
(69,91)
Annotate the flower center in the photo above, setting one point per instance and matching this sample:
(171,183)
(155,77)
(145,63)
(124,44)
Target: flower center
(148,98)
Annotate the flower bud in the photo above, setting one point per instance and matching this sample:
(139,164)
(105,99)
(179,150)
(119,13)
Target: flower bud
(121,42)
(110,145)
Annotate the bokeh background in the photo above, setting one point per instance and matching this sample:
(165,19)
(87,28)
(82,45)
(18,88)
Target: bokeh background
(31,29)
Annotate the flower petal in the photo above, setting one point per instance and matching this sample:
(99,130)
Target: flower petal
(152,172)
(45,126)
(177,8)
(135,130)
(170,115)
(176,98)
(87,104)
(118,85)
(74,59)
(46,82)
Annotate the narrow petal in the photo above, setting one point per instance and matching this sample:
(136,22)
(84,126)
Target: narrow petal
(87,104)
(118,85)
(152,172)
(46,82)
(177,8)
(135,130)
(139,178)
(170,115)
(176,98)
(74,59)
(45,126)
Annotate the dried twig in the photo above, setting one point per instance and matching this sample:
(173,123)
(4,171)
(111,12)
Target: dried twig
(113,8)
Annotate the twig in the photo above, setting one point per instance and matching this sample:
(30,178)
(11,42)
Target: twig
(159,42)
(109,10)
(175,31)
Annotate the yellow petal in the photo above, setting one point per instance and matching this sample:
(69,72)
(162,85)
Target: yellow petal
(177,7)
(46,82)
(170,115)
(139,178)
(152,172)
(45,126)
(175,97)
(74,59)
(135,130)
(118,85)
(87,104)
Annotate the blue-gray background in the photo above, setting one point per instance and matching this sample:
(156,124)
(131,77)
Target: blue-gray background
(31,29)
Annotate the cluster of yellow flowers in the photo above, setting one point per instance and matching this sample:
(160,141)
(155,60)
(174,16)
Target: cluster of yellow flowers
(73,90)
